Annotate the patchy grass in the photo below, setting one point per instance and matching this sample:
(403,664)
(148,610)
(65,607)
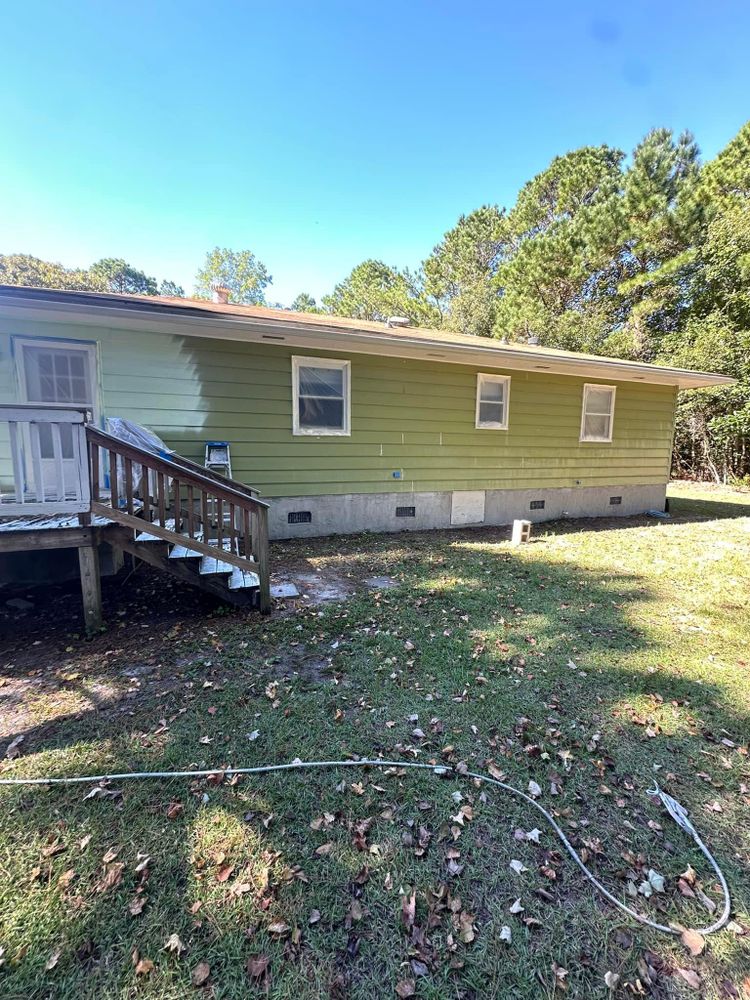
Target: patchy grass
(589,660)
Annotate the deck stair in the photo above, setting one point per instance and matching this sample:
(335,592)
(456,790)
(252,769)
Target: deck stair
(190,522)
(211,573)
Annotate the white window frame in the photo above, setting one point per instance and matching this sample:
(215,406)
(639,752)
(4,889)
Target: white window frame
(345,366)
(588,438)
(88,347)
(493,425)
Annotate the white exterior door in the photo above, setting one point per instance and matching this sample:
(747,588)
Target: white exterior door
(56,373)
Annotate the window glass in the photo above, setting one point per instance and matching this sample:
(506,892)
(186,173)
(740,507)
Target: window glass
(492,401)
(321,392)
(598,409)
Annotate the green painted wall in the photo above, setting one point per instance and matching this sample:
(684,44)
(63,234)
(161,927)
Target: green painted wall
(413,416)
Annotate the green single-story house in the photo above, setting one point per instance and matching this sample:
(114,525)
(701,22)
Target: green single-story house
(346,425)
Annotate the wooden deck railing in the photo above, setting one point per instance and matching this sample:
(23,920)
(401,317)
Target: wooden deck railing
(182,503)
(49,460)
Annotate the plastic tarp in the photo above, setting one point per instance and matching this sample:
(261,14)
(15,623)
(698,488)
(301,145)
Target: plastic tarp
(140,437)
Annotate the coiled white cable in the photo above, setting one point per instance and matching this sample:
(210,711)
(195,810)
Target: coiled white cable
(676,811)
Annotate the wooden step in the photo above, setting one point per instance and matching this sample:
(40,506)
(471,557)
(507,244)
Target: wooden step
(144,536)
(242,579)
(211,566)
(183,552)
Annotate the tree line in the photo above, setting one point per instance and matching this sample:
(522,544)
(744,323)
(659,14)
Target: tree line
(644,257)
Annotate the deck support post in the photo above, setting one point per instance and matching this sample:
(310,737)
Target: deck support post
(91,587)
(260,551)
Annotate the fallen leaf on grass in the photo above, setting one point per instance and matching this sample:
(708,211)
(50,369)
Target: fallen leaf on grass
(518,866)
(406,988)
(111,878)
(224,872)
(53,960)
(516,907)
(12,750)
(257,966)
(174,809)
(535,790)
(144,966)
(66,878)
(174,944)
(408,910)
(279,928)
(505,934)
(693,941)
(466,927)
(691,978)
(314,917)
(136,905)
(561,976)
(324,849)
(200,974)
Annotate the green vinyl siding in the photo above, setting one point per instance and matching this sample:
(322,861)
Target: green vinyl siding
(407,416)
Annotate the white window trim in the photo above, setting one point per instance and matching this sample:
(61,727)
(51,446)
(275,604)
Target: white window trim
(584,438)
(88,347)
(492,425)
(345,366)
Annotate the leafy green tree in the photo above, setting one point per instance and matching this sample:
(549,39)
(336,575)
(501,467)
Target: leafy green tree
(458,273)
(375,291)
(171,289)
(116,275)
(727,177)
(23,269)
(238,270)
(557,278)
(305,303)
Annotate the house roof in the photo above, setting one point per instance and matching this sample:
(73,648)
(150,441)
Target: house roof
(197,317)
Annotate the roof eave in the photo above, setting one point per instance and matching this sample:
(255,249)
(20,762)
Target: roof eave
(192,321)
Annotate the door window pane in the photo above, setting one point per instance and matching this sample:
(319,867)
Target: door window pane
(57,375)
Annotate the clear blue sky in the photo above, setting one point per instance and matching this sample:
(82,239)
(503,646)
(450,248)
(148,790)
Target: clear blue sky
(321,132)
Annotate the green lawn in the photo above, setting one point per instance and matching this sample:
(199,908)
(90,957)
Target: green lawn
(596,658)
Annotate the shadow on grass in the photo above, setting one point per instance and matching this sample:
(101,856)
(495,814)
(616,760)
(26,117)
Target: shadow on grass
(489,635)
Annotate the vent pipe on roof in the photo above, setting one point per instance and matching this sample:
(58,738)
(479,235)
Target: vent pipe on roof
(397,321)
(220,293)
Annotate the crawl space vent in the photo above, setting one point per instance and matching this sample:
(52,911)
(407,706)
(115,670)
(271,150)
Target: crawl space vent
(614,501)
(536,505)
(406,512)
(299,517)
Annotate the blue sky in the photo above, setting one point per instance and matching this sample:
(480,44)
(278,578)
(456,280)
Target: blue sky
(318,133)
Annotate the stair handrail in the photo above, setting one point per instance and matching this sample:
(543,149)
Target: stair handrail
(166,465)
(255,510)
(186,463)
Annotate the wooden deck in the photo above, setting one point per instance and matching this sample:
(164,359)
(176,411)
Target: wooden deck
(190,522)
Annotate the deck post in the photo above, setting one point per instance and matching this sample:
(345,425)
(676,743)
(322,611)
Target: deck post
(260,546)
(91,587)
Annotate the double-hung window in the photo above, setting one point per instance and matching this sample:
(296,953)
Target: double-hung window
(321,394)
(598,412)
(493,392)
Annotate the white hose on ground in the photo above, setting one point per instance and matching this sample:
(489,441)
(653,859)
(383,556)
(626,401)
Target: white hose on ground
(676,811)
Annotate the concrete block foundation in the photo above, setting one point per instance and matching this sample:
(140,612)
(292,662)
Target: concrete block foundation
(349,513)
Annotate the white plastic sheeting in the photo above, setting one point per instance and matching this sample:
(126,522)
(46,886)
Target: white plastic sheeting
(140,437)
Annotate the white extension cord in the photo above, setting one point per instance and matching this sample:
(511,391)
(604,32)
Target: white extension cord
(675,810)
